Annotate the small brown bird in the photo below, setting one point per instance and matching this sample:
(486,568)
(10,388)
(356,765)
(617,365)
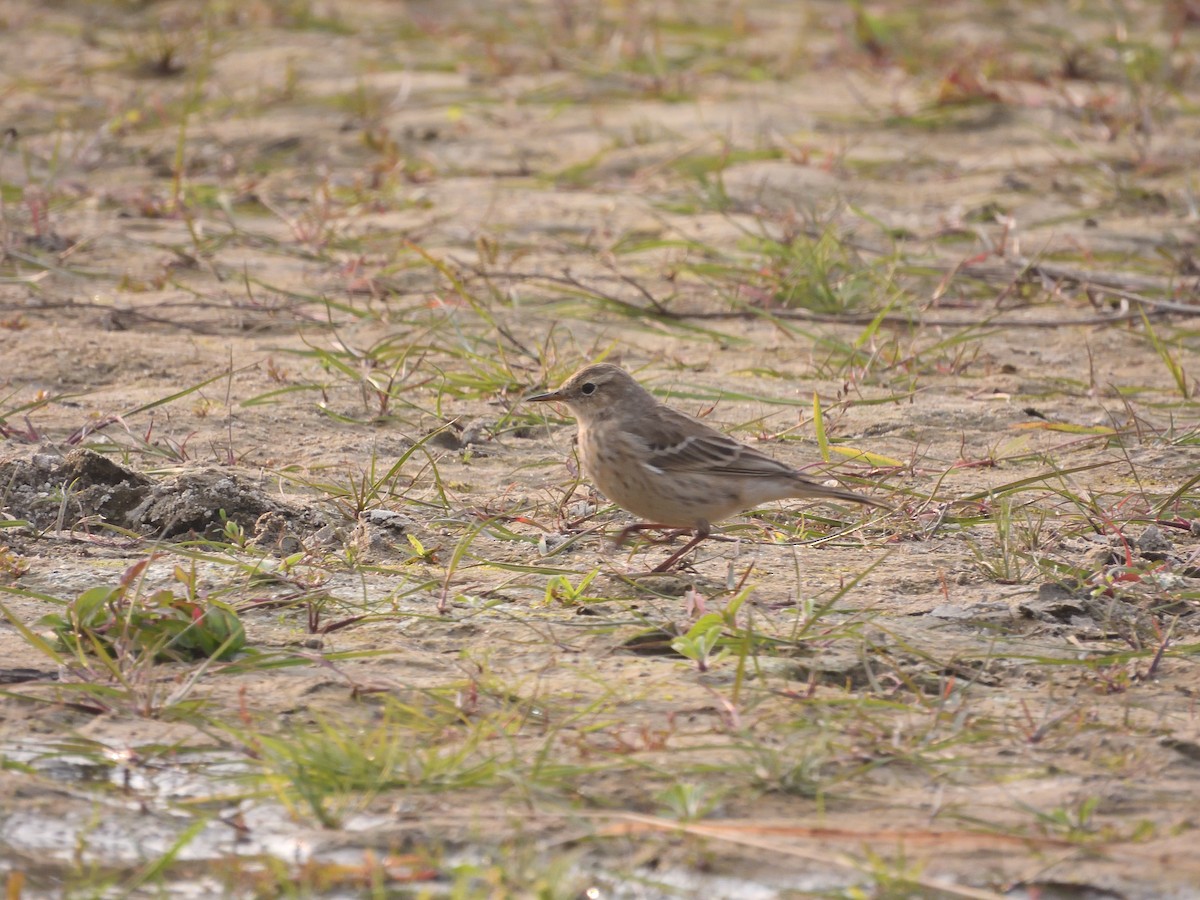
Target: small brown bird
(666,467)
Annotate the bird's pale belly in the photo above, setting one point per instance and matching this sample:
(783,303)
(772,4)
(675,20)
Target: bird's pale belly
(677,499)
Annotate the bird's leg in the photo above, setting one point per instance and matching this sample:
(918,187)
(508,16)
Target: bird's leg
(669,533)
(702,531)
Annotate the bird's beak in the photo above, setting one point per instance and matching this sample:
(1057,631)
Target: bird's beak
(542,398)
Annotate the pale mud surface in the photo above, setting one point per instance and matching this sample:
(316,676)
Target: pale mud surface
(948,720)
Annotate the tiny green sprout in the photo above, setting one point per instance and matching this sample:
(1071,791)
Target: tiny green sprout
(187,578)
(233,532)
(688,802)
(701,640)
(288,564)
(560,590)
(1076,824)
(12,565)
(421,553)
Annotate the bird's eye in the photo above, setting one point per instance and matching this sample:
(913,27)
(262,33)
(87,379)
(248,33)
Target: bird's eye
(588,388)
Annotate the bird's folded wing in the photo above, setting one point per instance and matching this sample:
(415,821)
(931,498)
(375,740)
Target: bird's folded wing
(683,444)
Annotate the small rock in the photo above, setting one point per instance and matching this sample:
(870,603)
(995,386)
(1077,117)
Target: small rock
(384,534)
(1189,749)
(1154,542)
(654,642)
(1100,559)
(950,611)
(988,610)
(271,532)
(1054,603)
(474,433)
(388,518)
(446,439)
(325,536)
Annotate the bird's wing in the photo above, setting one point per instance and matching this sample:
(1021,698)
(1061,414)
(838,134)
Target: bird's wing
(683,444)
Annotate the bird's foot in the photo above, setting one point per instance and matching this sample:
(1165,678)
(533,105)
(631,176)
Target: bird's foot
(667,564)
(669,534)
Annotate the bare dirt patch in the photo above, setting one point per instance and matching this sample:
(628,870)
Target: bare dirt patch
(274,278)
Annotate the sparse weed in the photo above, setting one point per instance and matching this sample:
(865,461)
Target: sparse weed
(1074,823)
(328,769)
(1012,559)
(689,802)
(1173,366)
(798,766)
(116,621)
(560,590)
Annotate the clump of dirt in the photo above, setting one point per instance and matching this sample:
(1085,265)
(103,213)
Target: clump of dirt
(86,488)
(51,491)
(200,502)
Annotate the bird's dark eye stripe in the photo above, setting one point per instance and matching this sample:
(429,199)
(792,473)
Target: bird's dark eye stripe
(588,388)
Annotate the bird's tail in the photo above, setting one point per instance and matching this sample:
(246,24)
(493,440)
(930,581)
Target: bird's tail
(807,488)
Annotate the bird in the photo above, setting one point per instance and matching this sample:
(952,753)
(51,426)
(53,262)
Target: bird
(668,468)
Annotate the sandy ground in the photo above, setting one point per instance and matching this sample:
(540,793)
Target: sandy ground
(255,256)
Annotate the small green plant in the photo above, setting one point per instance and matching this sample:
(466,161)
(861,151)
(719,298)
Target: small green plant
(796,766)
(700,643)
(334,767)
(1012,561)
(559,590)
(1075,824)
(12,565)
(367,489)
(689,802)
(421,553)
(233,532)
(114,619)
(892,877)
(1178,374)
(702,639)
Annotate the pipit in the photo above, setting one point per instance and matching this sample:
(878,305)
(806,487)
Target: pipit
(668,468)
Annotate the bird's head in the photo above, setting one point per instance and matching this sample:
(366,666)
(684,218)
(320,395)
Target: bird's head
(596,390)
